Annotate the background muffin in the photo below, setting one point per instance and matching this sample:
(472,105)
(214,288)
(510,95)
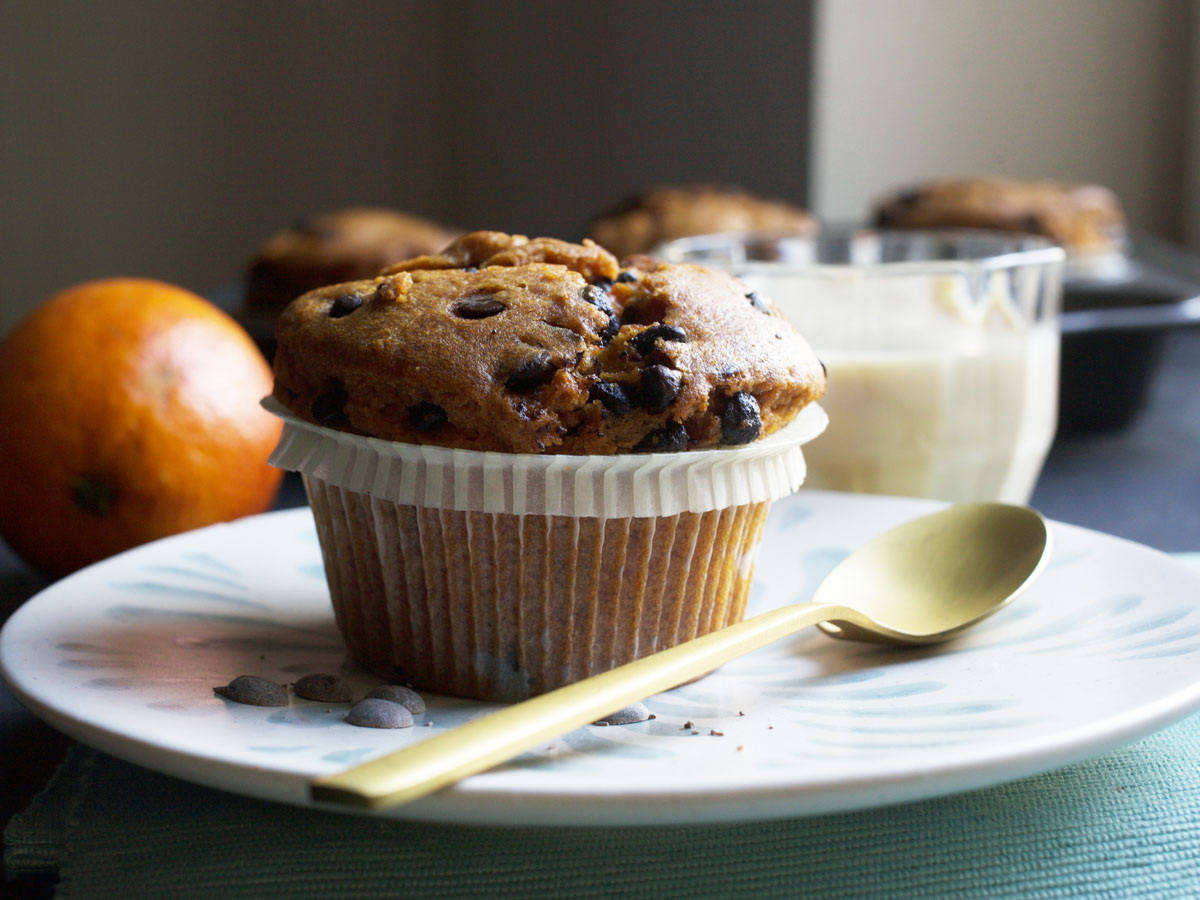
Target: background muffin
(336,246)
(1083,218)
(662,214)
(465,551)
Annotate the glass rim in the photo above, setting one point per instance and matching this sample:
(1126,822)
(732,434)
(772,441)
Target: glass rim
(1032,250)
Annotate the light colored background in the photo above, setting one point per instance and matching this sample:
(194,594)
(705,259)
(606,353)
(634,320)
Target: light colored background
(167,140)
(1087,90)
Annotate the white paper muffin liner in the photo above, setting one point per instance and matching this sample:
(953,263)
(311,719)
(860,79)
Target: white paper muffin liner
(643,484)
(501,576)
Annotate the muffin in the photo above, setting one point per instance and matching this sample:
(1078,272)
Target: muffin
(337,246)
(1085,219)
(528,464)
(663,214)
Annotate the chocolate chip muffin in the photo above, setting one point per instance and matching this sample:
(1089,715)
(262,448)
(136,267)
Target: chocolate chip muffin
(1083,218)
(333,247)
(641,223)
(506,344)
(528,464)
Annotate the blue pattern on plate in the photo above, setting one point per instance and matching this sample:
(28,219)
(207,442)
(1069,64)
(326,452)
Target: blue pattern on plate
(845,701)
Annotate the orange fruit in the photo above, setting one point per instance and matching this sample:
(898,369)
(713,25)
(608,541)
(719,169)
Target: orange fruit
(129,410)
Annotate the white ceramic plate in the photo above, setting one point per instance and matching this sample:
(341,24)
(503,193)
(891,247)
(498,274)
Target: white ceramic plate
(1103,649)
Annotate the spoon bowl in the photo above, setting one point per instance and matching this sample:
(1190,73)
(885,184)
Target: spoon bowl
(924,581)
(931,578)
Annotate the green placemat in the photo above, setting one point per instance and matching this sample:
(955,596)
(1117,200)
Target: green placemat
(1124,825)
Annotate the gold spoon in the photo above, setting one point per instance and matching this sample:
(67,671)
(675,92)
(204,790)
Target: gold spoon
(921,582)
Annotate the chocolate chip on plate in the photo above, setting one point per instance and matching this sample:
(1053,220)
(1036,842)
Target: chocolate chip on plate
(658,387)
(741,422)
(323,688)
(630,715)
(425,416)
(329,408)
(668,439)
(644,341)
(613,397)
(344,305)
(398,693)
(253,691)
(376,713)
(531,373)
(479,306)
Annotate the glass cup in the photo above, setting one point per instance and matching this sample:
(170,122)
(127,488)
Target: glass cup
(941,347)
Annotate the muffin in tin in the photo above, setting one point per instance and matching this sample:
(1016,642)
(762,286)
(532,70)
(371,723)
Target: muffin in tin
(529,464)
(661,214)
(1085,219)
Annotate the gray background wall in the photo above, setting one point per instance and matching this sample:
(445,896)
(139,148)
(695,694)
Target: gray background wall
(166,140)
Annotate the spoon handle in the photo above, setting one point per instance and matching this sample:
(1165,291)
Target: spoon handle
(448,757)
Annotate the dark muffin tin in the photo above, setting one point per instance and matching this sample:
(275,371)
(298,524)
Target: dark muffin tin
(1113,334)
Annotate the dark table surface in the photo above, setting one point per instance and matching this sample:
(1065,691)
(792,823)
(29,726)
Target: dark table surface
(1141,482)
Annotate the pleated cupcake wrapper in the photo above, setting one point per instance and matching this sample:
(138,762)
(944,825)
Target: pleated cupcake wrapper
(503,607)
(501,576)
(650,484)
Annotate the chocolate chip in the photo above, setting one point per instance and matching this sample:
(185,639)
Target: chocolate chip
(470,268)
(344,305)
(253,691)
(611,329)
(729,371)
(644,341)
(598,298)
(478,306)
(329,408)
(630,715)
(603,283)
(397,693)
(1033,224)
(323,688)
(532,373)
(425,416)
(626,277)
(668,439)
(758,302)
(613,397)
(658,388)
(824,370)
(376,713)
(741,422)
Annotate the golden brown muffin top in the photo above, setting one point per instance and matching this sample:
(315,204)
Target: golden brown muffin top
(338,246)
(542,346)
(1082,217)
(666,213)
